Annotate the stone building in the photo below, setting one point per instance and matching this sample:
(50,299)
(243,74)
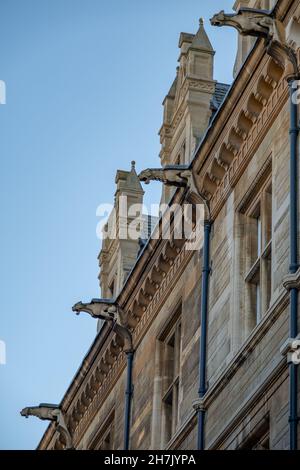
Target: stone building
(237,139)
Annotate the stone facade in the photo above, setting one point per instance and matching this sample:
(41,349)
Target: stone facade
(242,168)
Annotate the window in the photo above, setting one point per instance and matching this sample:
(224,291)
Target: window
(112,289)
(264,5)
(259,438)
(258,277)
(171,358)
(107,441)
(104,439)
(263,443)
(180,159)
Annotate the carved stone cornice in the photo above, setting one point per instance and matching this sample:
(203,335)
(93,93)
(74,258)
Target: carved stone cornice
(249,147)
(242,134)
(146,316)
(253,102)
(102,372)
(227,150)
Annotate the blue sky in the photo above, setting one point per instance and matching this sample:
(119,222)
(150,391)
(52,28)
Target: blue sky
(85,82)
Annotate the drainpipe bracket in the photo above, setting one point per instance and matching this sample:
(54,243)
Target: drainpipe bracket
(129,351)
(292,281)
(294,420)
(199,405)
(294,130)
(291,349)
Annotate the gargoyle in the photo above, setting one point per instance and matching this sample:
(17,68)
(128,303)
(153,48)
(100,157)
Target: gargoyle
(108,310)
(171,175)
(53,413)
(264,24)
(180,176)
(252,22)
(103,309)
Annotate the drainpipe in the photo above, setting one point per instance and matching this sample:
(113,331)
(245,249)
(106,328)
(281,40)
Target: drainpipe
(182,176)
(128,399)
(294,265)
(201,411)
(109,311)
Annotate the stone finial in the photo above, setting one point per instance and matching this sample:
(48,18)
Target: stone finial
(133,165)
(201,39)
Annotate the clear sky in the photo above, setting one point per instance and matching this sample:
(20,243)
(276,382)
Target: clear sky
(85,82)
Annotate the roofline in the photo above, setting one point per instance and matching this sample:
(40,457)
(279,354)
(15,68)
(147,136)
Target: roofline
(176,194)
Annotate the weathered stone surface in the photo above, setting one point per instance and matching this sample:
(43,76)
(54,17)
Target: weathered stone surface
(245,150)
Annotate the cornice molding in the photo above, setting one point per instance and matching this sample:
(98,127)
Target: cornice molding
(257,96)
(243,133)
(237,134)
(104,370)
(148,314)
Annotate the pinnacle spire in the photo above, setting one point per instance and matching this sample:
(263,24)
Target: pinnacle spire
(201,39)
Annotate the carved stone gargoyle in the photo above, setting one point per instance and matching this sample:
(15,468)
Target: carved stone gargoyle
(180,176)
(171,175)
(108,310)
(53,413)
(263,24)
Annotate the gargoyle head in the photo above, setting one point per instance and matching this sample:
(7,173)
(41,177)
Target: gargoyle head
(79,307)
(103,309)
(145,176)
(25,412)
(44,411)
(218,19)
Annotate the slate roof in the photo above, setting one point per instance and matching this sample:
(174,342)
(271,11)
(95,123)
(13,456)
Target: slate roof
(218,97)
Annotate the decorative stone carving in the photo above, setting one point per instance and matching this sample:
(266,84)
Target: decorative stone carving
(180,176)
(150,288)
(51,413)
(101,376)
(104,368)
(264,24)
(252,22)
(172,175)
(108,310)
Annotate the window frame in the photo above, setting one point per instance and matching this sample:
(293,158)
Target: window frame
(171,381)
(258,278)
(107,428)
